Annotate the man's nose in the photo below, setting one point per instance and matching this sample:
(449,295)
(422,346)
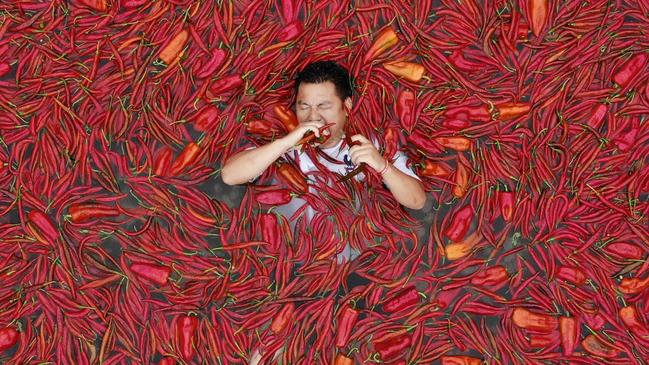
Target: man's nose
(314,115)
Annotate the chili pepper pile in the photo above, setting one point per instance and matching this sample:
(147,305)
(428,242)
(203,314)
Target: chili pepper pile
(526,120)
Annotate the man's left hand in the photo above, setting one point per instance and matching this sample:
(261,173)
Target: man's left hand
(366,152)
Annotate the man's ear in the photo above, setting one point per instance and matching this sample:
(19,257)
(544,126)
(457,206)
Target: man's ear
(348,103)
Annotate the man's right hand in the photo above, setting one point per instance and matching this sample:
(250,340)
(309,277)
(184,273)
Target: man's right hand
(298,133)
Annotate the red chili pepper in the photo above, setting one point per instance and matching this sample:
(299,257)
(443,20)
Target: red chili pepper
(385,40)
(460,360)
(274,197)
(572,274)
(186,331)
(162,161)
(538,10)
(439,169)
(186,158)
(291,31)
(456,124)
(597,115)
(99,5)
(155,273)
(393,346)
(627,140)
(595,347)
(457,143)
(405,108)
(569,328)
(343,360)
(634,285)
(507,204)
(459,223)
(493,276)
(402,300)
(167,361)
(286,116)
(206,119)
(223,85)
(478,113)
(8,338)
(174,47)
(4,68)
(625,250)
(282,318)
(391,138)
(509,111)
(81,212)
(629,316)
(290,10)
(425,143)
(534,321)
(410,71)
(628,71)
(44,226)
(346,322)
(261,127)
(217,60)
(270,230)
(461,179)
(290,175)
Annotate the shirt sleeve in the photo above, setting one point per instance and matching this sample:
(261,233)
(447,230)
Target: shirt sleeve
(400,163)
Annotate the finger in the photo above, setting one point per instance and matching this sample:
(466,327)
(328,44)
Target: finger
(360,138)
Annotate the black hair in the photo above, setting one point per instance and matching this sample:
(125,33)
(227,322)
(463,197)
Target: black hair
(322,71)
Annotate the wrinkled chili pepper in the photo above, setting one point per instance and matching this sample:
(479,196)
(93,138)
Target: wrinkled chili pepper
(82,212)
(572,274)
(290,175)
(8,338)
(509,111)
(43,226)
(163,161)
(402,300)
(425,143)
(625,250)
(343,360)
(167,361)
(155,273)
(99,5)
(286,116)
(595,347)
(405,108)
(538,10)
(217,59)
(633,285)
(492,276)
(186,158)
(459,360)
(569,328)
(432,168)
(410,71)
(628,71)
(206,119)
(282,319)
(478,113)
(223,85)
(186,327)
(345,325)
(270,230)
(291,31)
(459,223)
(172,49)
(455,143)
(534,321)
(393,346)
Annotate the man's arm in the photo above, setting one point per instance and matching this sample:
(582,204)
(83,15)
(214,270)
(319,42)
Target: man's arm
(407,190)
(248,164)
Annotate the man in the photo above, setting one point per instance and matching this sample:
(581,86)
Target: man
(323,96)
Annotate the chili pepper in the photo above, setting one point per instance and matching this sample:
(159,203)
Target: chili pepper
(391,142)
(385,40)
(167,361)
(569,328)
(506,203)
(456,124)
(81,212)
(459,360)
(455,143)
(597,115)
(393,346)
(174,46)
(509,111)
(410,71)
(625,250)
(206,119)
(346,322)
(629,316)
(290,175)
(478,113)
(223,85)
(155,273)
(432,168)
(460,223)
(633,285)
(270,230)
(44,226)
(162,161)
(595,347)
(99,5)
(291,31)
(217,60)
(286,116)
(627,140)
(402,300)
(274,197)
(628,71)
(542,340)
(461,180)
(491,277)
(538,10)
(8,338)
(425,143)
(186,158)
(534,321)
(343,360)
(282,318)
(261,127)
(186,331)
(405,109)
(572,274)
(4,68)
(459,249)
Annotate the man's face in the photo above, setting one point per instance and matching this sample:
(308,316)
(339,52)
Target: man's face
(319,102)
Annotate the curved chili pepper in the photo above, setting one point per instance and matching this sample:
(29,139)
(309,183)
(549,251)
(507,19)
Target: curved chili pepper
(405,108)
(186,331)
(402,300)
(286,116)
(206,119)
(223,85)
(290,175)
(460,360)
(628,71)
(163,160)
(217,60)
(186,158)
(8,338)
(44,226)
(173,48)
(491,277)
(343,360)
(282,318)
(425,143)
(534,321)
(385,40)
(393,346)
(572,274)
(346,322)
(410,71)
(459,223)
(291,31)
(81,212)
(595,347)
(538,10)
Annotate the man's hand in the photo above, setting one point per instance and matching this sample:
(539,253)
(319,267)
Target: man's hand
(366,152)
(296,134)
